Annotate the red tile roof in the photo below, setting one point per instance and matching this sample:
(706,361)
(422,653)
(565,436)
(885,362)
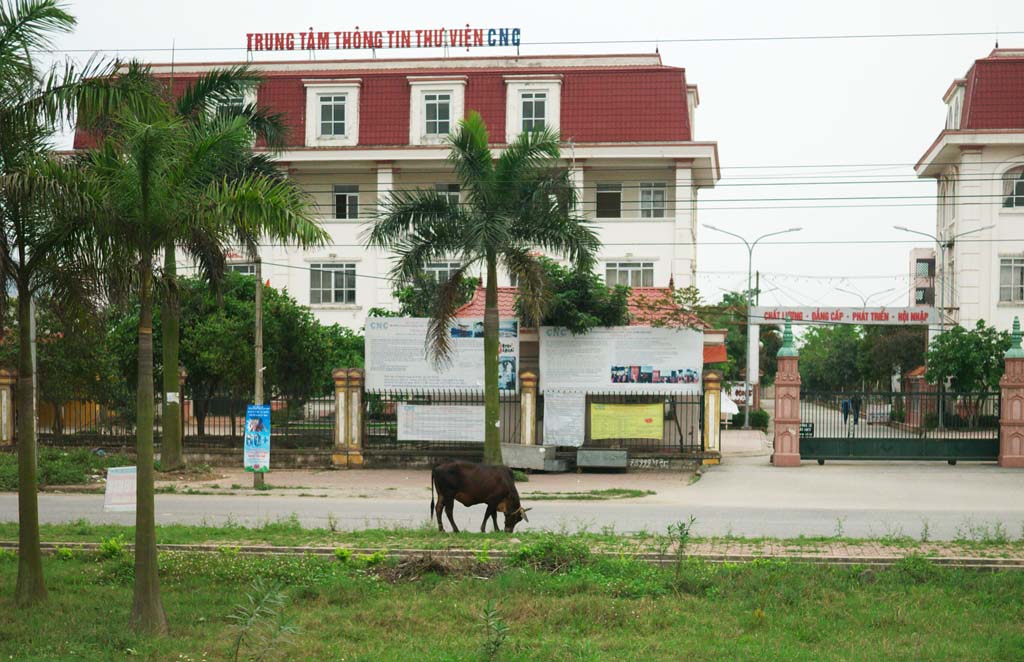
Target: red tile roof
(626,103)
(994,97)
(715,354)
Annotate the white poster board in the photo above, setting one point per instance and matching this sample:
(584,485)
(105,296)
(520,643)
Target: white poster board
(396,356)
(622,359)
(440,422)
(120,492)
(564,418)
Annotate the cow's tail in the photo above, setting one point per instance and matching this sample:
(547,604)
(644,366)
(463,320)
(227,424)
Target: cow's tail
(431,494)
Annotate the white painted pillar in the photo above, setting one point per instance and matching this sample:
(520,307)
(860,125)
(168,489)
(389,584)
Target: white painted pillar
(684,252)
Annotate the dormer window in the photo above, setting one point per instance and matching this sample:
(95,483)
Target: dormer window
(436,104)
(332,112)
(953,110)
(533,103)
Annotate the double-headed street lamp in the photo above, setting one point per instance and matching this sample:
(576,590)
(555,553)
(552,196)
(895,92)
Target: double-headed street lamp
(943,243)
(864,299)
(750,270)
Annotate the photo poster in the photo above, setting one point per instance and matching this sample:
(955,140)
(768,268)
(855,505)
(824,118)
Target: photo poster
(632,421)
(628,359)
(564,418)
(397,358)
(440,422)
(257,438)
(119,496)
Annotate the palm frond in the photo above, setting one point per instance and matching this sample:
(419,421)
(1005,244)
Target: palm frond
(27,26)
(472,160)
(533,290)
(438,340)
(215,87)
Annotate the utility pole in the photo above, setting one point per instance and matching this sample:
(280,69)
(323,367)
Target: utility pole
(757,288)
(257,476)
(751,354)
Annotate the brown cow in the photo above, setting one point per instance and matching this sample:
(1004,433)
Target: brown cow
(470,483)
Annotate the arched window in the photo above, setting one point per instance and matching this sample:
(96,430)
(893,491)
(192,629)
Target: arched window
(1013,188)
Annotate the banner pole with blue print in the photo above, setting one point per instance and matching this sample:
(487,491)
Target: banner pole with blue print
(257,438)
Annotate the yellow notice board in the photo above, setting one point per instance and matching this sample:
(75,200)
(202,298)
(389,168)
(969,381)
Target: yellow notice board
(626,421)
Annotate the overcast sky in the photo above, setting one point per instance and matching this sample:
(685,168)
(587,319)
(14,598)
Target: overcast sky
(843,103)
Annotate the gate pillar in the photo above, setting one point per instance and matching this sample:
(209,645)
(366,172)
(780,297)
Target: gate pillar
(528,409)
(1011,405)
(8,378)
(787,403)
(712,417)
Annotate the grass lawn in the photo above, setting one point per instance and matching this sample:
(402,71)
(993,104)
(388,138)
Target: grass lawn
(552,602)
(62,467)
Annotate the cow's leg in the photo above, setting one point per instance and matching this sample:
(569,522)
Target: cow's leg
(494,517)
(449,506)
(438,509)
(483,525)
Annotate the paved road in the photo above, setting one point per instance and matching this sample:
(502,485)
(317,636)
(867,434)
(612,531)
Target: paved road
(745,496)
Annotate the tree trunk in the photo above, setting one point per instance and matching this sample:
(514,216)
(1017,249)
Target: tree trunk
(171,453)
(30,587)
(58,419)
(492,411)
(147,608)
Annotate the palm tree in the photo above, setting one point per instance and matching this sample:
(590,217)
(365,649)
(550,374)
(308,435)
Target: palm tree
(38,195)
(164,185)
(213,96)
(514,205)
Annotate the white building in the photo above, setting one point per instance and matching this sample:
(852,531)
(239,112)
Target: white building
(360,129)
(978,163)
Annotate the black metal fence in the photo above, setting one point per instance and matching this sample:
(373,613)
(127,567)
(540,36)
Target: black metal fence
(207,422)
(427,422)
(868,425)
(681,416)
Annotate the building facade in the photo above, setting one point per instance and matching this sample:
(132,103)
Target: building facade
(359,130)
(922,277)
(978,163)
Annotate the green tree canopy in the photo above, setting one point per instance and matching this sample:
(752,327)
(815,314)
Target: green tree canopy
(578,300)
(973,360)
(829,358)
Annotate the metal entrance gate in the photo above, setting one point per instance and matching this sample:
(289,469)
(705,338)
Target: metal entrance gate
(899,426)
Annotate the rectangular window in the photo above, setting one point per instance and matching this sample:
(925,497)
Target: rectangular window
(332,282)
(609,200)
(438,111)
(634,274)
(332,114)
(652,200)
(924,296)
(346,201)
(243,268)
(231,106)
(441,272)
(924,269)
(450,192)
(1011,279)
(534,110)
(1018,192)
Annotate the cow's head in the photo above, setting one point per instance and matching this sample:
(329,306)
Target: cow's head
(514,517)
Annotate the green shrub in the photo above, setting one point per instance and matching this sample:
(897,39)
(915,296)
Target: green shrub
(552,553)
(343,555)
(758,419)
(64,554)
(520,476)
(113,547)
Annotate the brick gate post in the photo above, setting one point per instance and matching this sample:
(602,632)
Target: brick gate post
(340,376)
(787,403)
(355,418)
(8,378)
(712,417)
(528,409)
(1011,405)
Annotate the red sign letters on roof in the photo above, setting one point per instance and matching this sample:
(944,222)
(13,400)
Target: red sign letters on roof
(312,40)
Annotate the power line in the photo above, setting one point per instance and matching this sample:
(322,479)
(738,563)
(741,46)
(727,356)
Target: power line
(590,42)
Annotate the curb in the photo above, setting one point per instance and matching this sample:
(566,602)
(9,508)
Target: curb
(965,562)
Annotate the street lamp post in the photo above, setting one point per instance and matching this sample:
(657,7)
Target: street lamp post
(750,270)
(864,299)
(943,244)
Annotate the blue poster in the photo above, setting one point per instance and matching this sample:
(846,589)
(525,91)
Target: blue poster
(257,438)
